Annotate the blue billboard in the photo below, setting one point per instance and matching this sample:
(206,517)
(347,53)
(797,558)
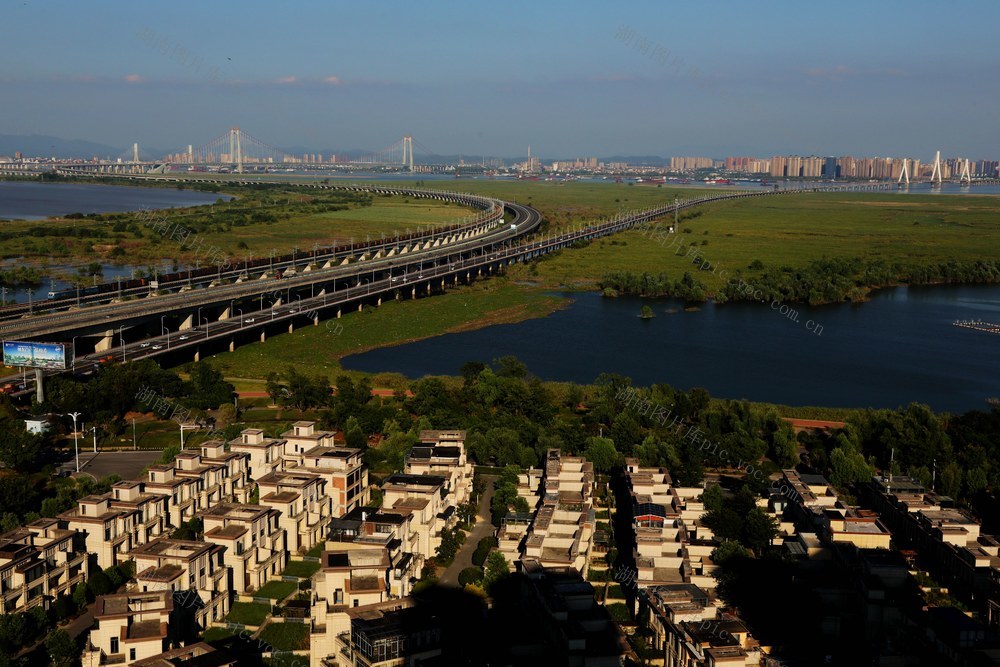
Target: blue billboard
(36,355)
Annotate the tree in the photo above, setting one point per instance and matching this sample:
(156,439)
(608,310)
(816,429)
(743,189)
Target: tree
(20,450)
(226,415)
(62,649)
(602,453)
(975,481)
(728,550)
(275,390)
(758,530)
(849,467)
(80,595)
(207,388)
(496,570)
(951,480)
(99,583)
(711,497)
(14,632)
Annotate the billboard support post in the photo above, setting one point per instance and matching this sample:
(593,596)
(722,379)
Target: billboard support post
(39,388)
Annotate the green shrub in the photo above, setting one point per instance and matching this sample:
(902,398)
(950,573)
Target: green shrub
(470,575)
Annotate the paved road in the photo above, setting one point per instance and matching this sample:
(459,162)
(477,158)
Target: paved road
(128,465)
(483,528)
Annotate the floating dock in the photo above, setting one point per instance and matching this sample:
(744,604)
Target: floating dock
(978,325)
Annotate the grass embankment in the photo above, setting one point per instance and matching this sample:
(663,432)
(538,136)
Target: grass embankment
(791,231)
(570,203)
(251,225)
(316,351)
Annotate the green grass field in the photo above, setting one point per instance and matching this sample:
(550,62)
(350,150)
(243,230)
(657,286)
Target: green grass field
(569,203)
(286,636)
(301,568)
(387,215)
(277,590)
(316,350)
(248,613)
(792,231)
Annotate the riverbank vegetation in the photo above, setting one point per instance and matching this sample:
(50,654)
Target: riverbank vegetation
(260,219)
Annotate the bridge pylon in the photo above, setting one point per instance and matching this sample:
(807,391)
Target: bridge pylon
(936,173)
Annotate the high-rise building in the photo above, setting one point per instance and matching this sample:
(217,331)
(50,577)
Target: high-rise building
(830,167)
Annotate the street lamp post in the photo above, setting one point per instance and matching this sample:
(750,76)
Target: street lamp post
(76,445)
(121,339)
(74,352)
(241,316)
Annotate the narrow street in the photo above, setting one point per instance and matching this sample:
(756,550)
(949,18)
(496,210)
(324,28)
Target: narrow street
(483,528)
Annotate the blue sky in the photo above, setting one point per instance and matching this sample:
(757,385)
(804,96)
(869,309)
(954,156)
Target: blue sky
(572,79)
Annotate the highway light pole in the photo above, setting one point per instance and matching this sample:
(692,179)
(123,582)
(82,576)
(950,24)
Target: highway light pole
(76,445)
(121,339)
(74,352)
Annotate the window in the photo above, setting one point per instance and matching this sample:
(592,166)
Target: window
(355,602)
(131,654)
(114,645)
(83,510)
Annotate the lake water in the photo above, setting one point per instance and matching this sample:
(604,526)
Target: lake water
(900,347)
(36,201)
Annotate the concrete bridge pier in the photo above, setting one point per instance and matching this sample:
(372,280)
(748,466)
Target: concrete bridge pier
(338,313)
(428,287)
(187,322)
(197,354)
(379,303)
(291,327)
(442,284)
(106,342)
(413,293)
(263,335)
(316,320)
(360,306)
(224,315)
(232,345)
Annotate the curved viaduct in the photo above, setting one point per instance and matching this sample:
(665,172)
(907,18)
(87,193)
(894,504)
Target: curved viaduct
(220,315)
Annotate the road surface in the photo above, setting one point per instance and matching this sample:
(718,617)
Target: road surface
(483,528)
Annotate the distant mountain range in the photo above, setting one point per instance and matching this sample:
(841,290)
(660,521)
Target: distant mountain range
(43,145)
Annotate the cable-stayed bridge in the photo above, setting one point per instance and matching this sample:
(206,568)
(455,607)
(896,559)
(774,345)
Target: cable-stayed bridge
(238,151)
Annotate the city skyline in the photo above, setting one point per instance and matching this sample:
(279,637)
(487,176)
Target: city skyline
(572,81)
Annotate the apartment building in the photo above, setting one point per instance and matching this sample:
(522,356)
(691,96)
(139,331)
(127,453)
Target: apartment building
(388,634)
(253,540)
(198,480)
(353,575)
(150,509)
(442,453)
(303,437)
(818,506)
(950,542)
(672,546)
(303,505)
(423,498)
(343,469)
(195,572)
(195,655)
(265,453)
(129,627)
(370,558)
(562,530)
(109,533)
(38,563)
